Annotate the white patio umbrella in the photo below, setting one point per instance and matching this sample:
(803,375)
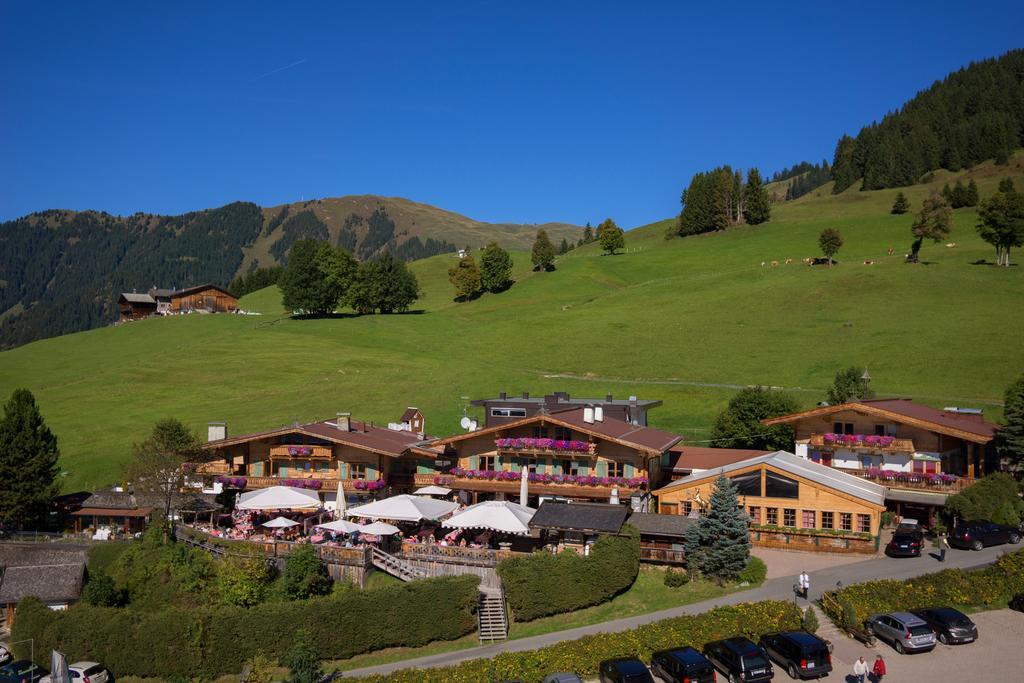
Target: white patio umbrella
(404,508)
(495,515)
(340,503)
(279,498)
(378,529)
(523,494)
(342,526)
(432,491)
(279,523)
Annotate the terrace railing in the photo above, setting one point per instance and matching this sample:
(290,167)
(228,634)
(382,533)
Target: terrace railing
(862,442)
(662,555)
(480,557)
(935,483)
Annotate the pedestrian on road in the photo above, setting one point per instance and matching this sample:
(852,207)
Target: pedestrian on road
(805,584)
(943,545)
(878,670)
(860,670)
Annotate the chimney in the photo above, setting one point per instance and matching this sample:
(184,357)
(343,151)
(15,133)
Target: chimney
(345,421)
(503,396)
(588,415)
(526,394)
(598,414)
(607,398)
(215,431)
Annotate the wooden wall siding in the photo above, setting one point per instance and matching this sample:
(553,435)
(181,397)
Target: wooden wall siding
(812,496)
(209,298)
(815,542)
(924,440)
(255,457)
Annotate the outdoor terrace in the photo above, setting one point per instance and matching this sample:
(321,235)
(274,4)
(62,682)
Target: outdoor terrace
(863,442)
(542,484)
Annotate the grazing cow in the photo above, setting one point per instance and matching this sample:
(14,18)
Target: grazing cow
(788,261)
(868,262)
(807,260)
(891,250)
(762,264)
(774,263)
(950,245)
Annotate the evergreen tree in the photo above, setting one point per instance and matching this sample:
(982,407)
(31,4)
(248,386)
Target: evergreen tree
(830,241)
(901,205)
(610,236)
(495,268)
(934,222)
(708,203)
(588,234)
(844,168)
(958,196)
(849,385)
(693,547)
(724,536)
(947,193)
(465,277)
(971,196)
(1010,439)
(28,461)
(739,425)
(303,659)
(383,283)
(1001,223)
(1006,185)
(757,207)
(563,248)
(543,256)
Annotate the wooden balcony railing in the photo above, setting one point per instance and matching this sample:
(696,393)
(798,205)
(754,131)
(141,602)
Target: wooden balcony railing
(215,467)
(918,482)
(895,446)
(285,452)
(662,555)
(482,557)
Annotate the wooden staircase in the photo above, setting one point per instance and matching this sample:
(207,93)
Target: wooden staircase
(395,566)
(492,617)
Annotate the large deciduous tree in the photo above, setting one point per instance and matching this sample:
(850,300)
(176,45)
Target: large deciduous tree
(831,241)
(849,385)
(1010,439)
(739,425)
(28,461)
(934,222)
(543,253)
(757,207)
(316,278)
(995,497)
(465,277)
(158,466)
(383,284)
(1001,223)
(495,268)
(611,236)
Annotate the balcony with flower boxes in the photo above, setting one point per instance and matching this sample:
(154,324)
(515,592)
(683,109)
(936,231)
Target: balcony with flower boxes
(863,442)
(917,481)
(568,485)
(304,452)
(315,481)
(543,446)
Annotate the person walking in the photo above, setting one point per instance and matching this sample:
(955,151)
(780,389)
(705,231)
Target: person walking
(878,670)
(805,584)
(943,545)
(860,670)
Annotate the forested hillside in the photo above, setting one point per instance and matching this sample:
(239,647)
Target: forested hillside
(61,271)
(974,114)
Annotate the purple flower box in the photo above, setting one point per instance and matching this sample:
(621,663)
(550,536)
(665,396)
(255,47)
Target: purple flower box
(300,450)
(233,482)
(543,444)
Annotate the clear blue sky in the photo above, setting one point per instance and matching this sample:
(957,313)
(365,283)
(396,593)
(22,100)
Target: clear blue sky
(503,111)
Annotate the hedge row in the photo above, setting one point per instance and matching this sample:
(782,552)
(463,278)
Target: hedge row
(542,584)
(584,655)
(218,640)
(979,588)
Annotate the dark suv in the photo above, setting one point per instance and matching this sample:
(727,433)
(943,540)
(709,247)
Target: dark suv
(802,654)
(977,535)
(740,660)
(625,670)
(950,625)
(906,542)
(683,664)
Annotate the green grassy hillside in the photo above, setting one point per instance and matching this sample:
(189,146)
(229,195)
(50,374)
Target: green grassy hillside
(684,320)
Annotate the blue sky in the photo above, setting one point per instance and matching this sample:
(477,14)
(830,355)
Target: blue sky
(503,111)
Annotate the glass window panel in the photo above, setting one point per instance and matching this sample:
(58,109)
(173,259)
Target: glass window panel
(778,486)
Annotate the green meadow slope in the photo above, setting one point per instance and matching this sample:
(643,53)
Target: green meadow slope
(684,320)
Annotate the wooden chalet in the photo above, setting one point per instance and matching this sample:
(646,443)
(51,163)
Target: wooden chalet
(685,460)
(360,456)
(506,408)
(135,306)
(792,502)
(203,298)
(115,509)
(576,454)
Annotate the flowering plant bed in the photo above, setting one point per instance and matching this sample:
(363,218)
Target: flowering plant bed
(373,485)
(233,482)
(300,450)
(910,477)
(859,440)
(573,479)
(314,484)
(798,531)
(544,444)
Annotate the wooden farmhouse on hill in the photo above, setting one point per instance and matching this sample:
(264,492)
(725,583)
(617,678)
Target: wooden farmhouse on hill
(206,298)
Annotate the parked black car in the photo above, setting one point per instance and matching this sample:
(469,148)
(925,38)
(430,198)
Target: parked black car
(906,542)
(951,626)
(21,671)
(801,654)
(1017,602)
(683,664)
(624,670)
(740,660)
(977,535)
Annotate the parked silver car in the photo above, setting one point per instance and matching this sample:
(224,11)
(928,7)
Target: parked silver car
(904,631)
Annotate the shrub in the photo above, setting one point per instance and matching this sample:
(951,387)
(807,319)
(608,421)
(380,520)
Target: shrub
(674,579)
(887,518)
(101,591)
(102,555)
(220,639)
(810,621)
(583,656)
(303,660)
(755,572)
(541,584)
(305,575)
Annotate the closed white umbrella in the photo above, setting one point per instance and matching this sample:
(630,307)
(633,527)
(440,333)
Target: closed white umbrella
(432,491)
(279,498)
(404,508)
(341,503)
(523,494)
(494,515)
(342,526)
(378,529)
(279,523)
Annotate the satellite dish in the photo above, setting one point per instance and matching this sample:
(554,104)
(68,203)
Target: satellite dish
(466,423)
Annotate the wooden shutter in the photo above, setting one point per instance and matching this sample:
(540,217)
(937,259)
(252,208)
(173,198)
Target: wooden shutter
(628,471)
(343,470)
(371,473)
(602,468)
(474,462)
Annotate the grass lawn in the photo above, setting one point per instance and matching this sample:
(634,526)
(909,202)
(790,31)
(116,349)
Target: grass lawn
(686,321)
(647,594)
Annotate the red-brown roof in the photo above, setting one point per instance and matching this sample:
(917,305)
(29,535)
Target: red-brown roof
(970,428)
(646,438)
(360,435)
(199,288)
(409,414)
(111,512)
(688,458)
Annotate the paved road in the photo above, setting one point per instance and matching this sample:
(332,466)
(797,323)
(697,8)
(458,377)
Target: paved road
(775,589)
